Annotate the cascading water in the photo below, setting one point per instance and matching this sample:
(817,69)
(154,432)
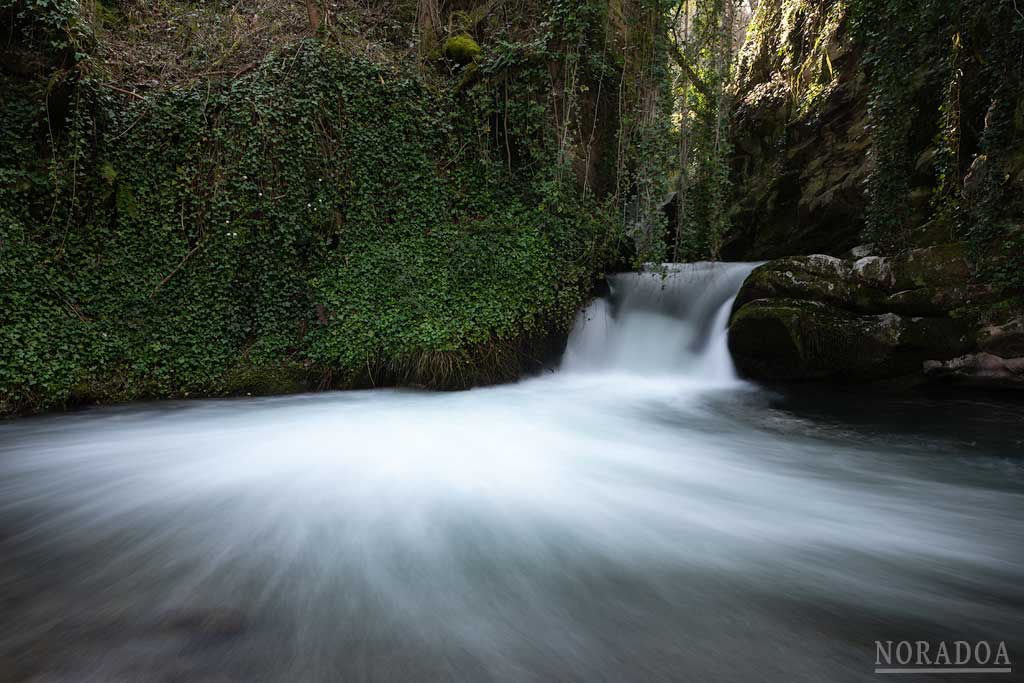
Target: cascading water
(638,515)
(668,321)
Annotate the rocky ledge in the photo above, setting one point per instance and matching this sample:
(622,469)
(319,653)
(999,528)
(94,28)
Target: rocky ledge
(904,320)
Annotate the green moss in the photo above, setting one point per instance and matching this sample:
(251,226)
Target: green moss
(268,379)
(462,49)
(108,173)
(943,265)
(794,339)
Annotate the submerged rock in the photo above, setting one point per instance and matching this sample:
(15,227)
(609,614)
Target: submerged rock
(914,317)
(979,368)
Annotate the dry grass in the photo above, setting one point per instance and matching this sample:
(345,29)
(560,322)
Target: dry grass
(160,43)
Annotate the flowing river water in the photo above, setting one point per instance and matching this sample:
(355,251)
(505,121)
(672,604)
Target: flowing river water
(639,513)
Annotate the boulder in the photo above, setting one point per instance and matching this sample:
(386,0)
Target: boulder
(910,317)
(984,369)
(462,49)
(794,339)
(1005,340)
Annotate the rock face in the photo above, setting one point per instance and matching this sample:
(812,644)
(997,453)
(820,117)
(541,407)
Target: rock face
(912,318)
(799,132)
(805,131)
(810,133)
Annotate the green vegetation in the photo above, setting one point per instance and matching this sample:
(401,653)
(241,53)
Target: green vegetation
(953,72)
(704,46)
(462,49)
(215,198)
(320,219)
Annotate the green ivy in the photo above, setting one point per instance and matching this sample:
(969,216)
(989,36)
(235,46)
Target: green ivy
(971,52)
(321,221)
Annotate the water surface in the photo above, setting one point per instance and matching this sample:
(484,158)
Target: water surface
(640,514)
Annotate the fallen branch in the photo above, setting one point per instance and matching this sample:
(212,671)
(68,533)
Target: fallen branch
(123,91)
(189,255)
(175,271)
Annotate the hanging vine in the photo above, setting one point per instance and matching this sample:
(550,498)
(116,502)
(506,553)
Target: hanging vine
(703,35)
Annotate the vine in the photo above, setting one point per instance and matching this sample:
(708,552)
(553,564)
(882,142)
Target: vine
(972,52)
(318,220)
(703,33)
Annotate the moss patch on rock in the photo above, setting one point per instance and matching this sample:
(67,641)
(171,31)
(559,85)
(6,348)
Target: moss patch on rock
(791,339)
(462,49)
(876,318)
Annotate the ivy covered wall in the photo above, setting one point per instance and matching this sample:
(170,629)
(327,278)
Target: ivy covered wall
(324,219)
(890,122)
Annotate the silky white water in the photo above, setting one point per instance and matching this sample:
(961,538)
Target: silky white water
(639,514)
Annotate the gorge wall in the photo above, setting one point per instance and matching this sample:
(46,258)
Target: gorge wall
(887,137)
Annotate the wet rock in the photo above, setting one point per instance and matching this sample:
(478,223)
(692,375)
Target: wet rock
(925,300)
(944,265)
(792,339)
(876,318)
(819,278)
(1006,340)
(979,368)
(860,251)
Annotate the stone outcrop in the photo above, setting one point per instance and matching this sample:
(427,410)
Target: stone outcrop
(911,319)
(802,133)
(799,134)
(919,307)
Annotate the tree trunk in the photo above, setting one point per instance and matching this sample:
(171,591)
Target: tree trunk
(428,18)
(314,15)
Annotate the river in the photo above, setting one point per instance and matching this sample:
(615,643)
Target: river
(639,513)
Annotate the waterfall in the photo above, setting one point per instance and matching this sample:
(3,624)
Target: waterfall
(670,320)
(637,515)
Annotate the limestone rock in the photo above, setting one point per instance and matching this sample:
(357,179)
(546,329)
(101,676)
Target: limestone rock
(911,316)
(792,339)
(979,368)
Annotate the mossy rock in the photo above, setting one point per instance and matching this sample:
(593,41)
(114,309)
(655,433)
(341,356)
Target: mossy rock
(818,278)
(462,49)
(944,265)
(926,300)
(792,339)
(285,378)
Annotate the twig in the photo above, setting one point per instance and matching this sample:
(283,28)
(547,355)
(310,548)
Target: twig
(176,269)
(123,91)
(187,256)
(245,69)
(222,72)
(125,131)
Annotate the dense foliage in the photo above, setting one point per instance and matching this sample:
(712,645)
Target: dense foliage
(322,220)
(705,47)
(954,73)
